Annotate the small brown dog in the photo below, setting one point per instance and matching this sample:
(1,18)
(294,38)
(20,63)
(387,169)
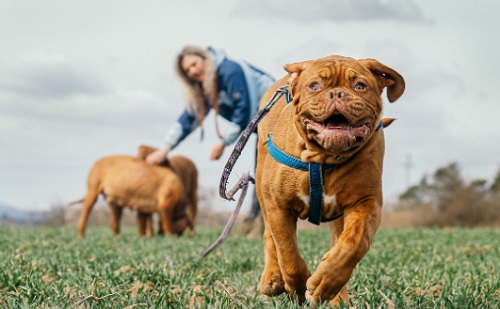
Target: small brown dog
(332,129)
(127,181)
(188,173)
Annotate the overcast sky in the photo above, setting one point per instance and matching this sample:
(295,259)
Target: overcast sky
(85,79)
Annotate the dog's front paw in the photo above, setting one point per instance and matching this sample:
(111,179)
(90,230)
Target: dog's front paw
(271,284)
(341,298)
(324,286)
(314,297)
(313,303)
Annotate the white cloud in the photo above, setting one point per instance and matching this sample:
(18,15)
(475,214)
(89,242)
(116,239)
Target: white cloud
(50,77)
(330,11)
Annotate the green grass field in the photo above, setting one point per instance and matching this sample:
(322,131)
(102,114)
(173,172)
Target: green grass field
(405,268)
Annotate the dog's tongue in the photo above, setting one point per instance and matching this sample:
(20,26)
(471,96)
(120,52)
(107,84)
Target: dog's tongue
(336,122)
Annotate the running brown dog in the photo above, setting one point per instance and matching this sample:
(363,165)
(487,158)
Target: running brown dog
(127,181)
(188,173)
(333,120)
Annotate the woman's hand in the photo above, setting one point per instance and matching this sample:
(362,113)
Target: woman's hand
(158,156)
(217,151)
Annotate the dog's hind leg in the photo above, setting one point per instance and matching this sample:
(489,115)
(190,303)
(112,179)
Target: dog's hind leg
(191,216)
(116,214)
(192,204)
(145,224)
(160,227)
(149,225)
(88,202)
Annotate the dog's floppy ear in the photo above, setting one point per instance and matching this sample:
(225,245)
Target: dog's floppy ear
(386,77)
(144,151)
(294,70)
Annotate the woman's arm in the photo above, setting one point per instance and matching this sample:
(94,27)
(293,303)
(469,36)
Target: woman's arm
(177,133)
(186,124)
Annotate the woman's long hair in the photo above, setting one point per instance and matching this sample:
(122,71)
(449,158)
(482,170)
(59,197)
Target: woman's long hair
(197,93)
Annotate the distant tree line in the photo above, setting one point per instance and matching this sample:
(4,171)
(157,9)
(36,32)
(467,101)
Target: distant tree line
(446,199)
(442,199)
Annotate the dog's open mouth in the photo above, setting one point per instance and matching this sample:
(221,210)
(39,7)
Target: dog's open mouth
(336,133)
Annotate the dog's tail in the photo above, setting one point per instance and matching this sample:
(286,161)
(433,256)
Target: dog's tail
(79,201)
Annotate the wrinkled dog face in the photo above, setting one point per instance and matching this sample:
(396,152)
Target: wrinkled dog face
(337,100)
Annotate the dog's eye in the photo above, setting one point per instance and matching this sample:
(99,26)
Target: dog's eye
(314,86)
(360,86)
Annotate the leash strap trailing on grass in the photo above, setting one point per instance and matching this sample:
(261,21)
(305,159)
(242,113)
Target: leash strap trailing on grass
(246,178)
(242,184)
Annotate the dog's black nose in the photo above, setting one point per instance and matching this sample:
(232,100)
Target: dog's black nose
(336,94)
